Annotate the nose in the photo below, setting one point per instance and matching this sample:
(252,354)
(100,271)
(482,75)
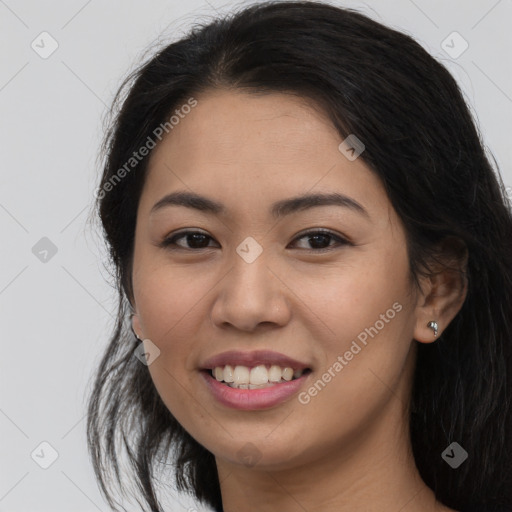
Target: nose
(251,295)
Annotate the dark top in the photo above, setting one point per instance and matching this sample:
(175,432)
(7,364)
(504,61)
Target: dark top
(476,508)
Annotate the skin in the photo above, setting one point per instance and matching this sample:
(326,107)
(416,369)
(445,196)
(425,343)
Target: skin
(348,449)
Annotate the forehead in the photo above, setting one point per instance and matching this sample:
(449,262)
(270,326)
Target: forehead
(260,145)
(229,124)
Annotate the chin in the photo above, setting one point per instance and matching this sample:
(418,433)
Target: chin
(260,453)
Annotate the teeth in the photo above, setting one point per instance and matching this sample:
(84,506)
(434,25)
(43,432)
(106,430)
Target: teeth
(259,375)
(274,374)
(243,377)
(228,374)
(287,374)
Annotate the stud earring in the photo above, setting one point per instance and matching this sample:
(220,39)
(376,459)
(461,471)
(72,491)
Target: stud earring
(433,325)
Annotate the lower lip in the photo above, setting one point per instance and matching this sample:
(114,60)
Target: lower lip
(253,399)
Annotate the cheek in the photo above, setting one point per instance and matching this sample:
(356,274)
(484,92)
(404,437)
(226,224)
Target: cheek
(368,311)
(171,309)
(365,369)
(168,300)
(352,297)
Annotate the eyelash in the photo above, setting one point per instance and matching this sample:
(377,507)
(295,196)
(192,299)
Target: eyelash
(170,241)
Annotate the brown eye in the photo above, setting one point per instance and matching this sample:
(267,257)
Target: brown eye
(193,240)
(318,241)
(322,240)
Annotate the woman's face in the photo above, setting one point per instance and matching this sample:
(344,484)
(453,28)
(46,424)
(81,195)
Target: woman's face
(259,277)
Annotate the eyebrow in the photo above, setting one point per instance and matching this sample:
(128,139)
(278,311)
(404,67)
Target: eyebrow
(278,209)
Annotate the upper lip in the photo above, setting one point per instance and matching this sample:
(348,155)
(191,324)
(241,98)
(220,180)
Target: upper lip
(251,359)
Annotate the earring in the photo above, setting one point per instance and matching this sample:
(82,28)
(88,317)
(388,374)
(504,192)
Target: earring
(433,325)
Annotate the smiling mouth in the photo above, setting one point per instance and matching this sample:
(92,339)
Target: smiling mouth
(257,377)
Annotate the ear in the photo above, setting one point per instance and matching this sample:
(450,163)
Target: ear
(443,291)
(136,325)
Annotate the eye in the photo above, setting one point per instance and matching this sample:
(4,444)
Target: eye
(195,239)
(320,240)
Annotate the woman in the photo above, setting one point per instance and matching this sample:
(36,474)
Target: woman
(314,265)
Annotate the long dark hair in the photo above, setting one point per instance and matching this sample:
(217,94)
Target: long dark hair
(421,141)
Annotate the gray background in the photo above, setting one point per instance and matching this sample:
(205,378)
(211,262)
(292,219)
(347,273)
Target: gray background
(56,314)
